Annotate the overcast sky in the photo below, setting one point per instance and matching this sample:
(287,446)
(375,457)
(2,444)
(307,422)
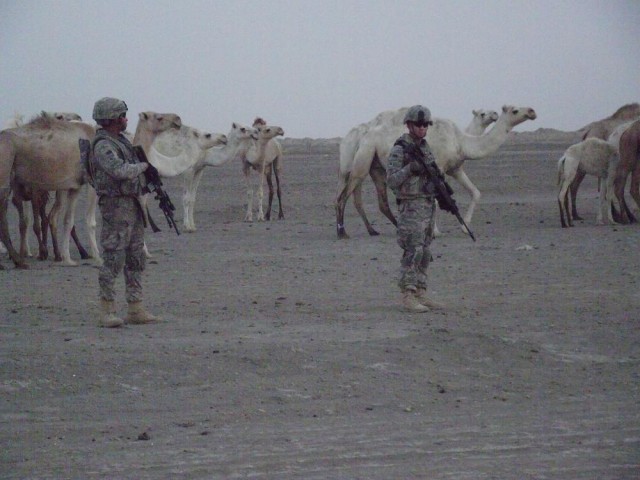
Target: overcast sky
(318,68)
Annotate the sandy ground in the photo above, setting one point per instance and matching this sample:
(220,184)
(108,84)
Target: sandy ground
(283,352)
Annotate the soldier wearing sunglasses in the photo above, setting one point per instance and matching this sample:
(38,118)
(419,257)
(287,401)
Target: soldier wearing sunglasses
(415,197)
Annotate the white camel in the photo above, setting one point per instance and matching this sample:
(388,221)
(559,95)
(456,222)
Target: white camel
(592,156)
(451,147)
(186,155)
(480,121)
(264,157)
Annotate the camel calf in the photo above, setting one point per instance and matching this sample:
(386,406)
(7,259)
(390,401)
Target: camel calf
(592,156)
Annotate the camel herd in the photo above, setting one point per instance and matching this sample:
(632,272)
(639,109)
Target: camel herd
(42,156)
(612,160)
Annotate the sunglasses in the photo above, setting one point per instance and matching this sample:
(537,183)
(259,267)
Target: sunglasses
(423,124)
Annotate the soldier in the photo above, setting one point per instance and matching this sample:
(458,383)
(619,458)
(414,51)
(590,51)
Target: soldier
(415,196)
(117,177)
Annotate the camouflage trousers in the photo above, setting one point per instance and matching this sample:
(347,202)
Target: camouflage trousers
(122,242)
(414,234)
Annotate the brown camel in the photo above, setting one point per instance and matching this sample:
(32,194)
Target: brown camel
(42,155)
(629,150)
(602,129)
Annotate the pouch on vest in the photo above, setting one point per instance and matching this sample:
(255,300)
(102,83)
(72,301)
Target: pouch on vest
(85,159)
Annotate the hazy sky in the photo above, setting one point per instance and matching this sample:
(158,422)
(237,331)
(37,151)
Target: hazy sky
(318,68)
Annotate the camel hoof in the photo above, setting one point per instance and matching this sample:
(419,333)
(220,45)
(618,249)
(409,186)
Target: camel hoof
(373,233)
(69,263)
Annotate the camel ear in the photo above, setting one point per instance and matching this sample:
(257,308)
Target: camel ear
(505,108)
(474,112)
(234,126)
(143,116)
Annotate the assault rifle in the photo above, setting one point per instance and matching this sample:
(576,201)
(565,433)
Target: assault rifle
(154,184)
(444,191)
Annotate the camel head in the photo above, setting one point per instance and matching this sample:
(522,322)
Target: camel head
(206,140)
(259,121)
(239,133)
(158,122)
(485,117)
(516,115)
(267,132)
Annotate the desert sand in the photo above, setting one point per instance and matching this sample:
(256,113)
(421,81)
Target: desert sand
(283,352)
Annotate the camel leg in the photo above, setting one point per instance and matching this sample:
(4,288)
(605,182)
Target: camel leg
(37,226)
(564,202)
(462,178)
(53,217)
(246,169)
(191,183)
(379,176)
(278,192)
(268,174)
(634,189)
(341,202)
(81,250)
(618,188)
(17,260)
(575,185)
(40,223)
(260,215)
(69,221)
(90,221)
(23,225)
(357,202)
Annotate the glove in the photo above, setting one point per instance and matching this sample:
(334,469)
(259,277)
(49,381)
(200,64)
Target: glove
(416,168)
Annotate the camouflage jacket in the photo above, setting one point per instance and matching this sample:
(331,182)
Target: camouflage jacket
(406,185)
(116,170)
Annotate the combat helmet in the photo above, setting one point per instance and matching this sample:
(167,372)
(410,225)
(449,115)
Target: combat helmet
(418,114)
(108,108)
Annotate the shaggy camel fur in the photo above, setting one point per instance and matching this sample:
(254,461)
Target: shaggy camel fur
(594,157)
(602,129)
(450,146)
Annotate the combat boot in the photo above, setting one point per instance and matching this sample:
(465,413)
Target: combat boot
(107,317)
(421,295)
(410,302)
(137,315)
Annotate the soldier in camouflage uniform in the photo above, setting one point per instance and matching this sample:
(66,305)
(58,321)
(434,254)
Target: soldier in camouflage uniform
(116,174)
(415,196)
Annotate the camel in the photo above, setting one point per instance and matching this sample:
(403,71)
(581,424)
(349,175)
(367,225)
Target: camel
(628,146)
(42,155)
(450,146)
(186,153)
(349,146)
(480,121)
(239,140)
(602,129)
(594,157)
(263,157)
(39,200)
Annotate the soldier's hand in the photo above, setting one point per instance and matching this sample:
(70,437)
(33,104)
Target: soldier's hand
(416,168)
